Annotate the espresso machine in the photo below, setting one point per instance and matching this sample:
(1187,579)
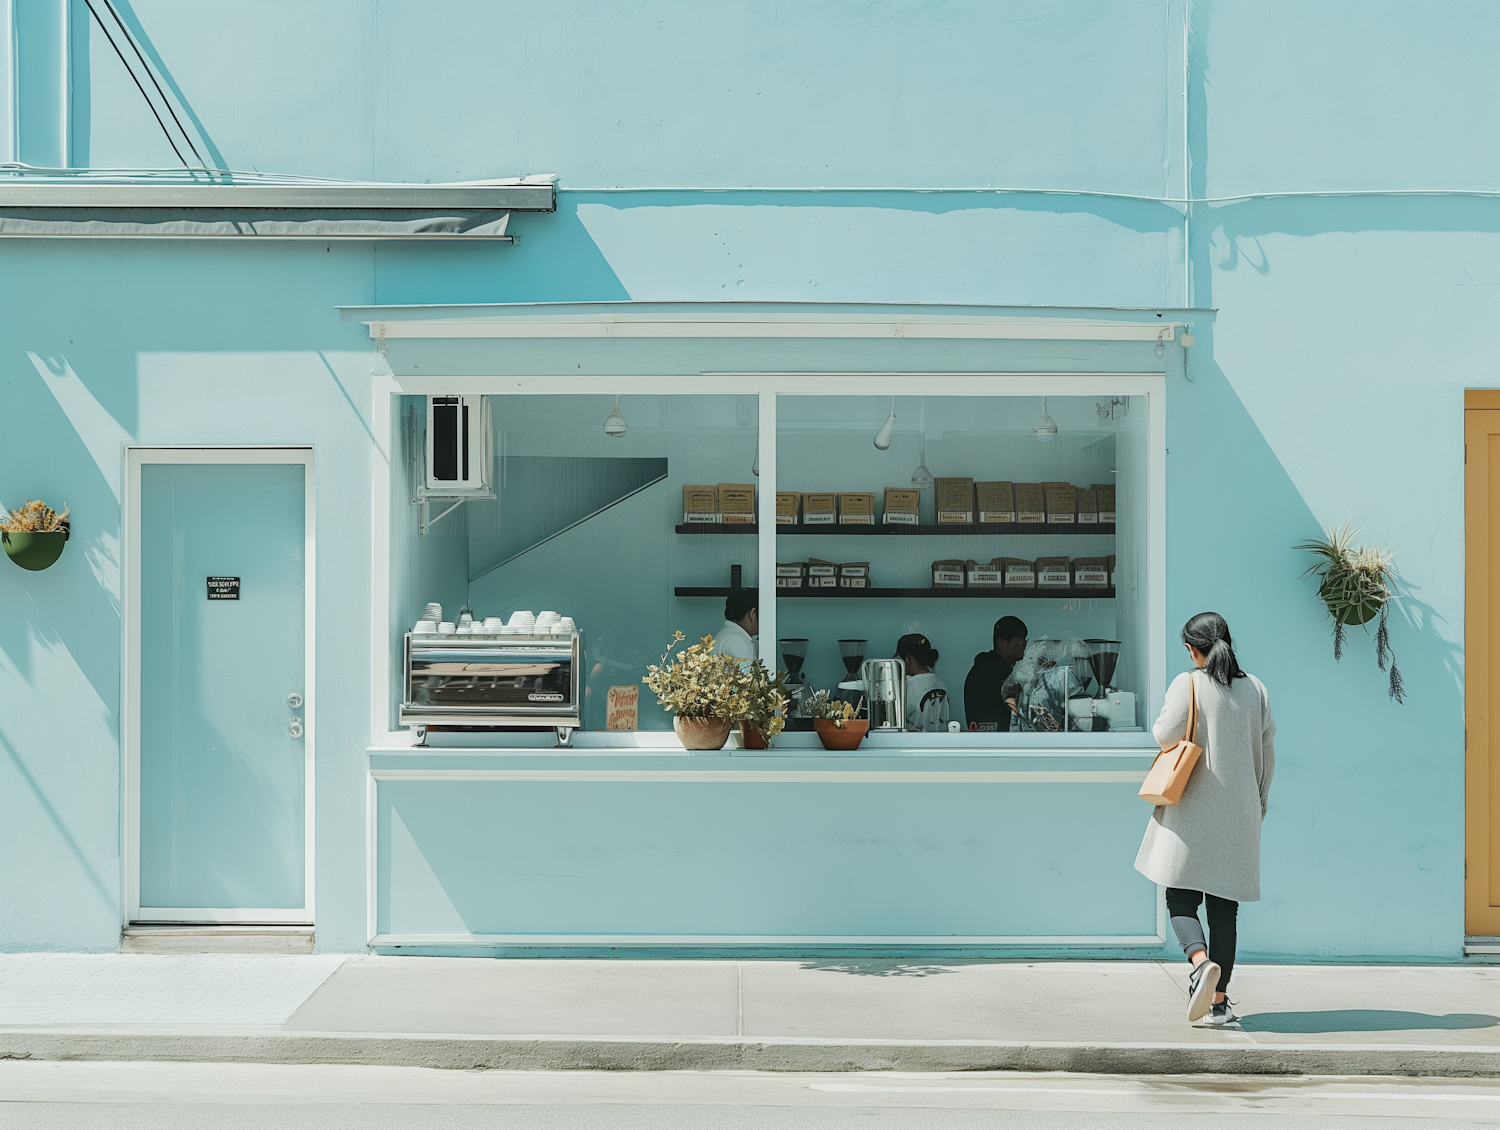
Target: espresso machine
(1108,709)
(885,694)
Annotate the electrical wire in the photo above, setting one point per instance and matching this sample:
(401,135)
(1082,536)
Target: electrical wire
(149,105)
(151,74)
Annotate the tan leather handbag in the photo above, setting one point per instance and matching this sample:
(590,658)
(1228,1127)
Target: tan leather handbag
(1174,765)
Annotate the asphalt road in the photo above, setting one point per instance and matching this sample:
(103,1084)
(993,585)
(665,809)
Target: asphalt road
(164,1096)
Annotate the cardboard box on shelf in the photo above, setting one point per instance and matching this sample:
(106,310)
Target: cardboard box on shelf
(1106,497)
(1019,574)
(819,509)
(1053,572)
(1062,504)
(996,502)
(955,501)
(1088,507)
(901,506)
(1031,504)
(791,574)
(1091,572)
(786,507)
(737,503)
(822,574)
(988,576)
(856,508)
(948,574)
(700,504)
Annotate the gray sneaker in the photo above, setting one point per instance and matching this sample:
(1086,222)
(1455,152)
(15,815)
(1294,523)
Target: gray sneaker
(1203,982)
(1221,1015)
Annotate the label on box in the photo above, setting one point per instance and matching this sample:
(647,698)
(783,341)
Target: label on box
(1052,519)
(854,582)
(822,569)
(948,578)
(899,518)
(817,519)
(729,519)
(1030,517)
(996,517)
(1054,575)
(822,582)
(1092,576)
(789,582)
(786,519)
(689,519)
(1021,576)
(855,569)
(1107,516)
(856,519)
(790,569)
(955,517)
(985,577)
(1088,518)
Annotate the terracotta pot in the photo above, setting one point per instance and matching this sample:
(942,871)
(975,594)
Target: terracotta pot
(34,550)
(752,737)
(701,733)
(845,737)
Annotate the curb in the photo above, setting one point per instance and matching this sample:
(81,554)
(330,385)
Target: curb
(552,1053)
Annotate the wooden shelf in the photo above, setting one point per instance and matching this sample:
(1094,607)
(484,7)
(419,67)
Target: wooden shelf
(973,530)
(1059,593)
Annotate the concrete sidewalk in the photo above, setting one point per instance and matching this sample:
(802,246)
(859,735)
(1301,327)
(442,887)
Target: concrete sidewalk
(756,1015)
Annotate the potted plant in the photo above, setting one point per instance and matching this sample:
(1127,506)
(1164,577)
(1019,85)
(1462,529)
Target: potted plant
(1356,585)
(706,692)
(767,708)
(34,535)
(835,721)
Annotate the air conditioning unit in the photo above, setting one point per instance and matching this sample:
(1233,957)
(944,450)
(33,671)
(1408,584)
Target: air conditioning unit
(458,447)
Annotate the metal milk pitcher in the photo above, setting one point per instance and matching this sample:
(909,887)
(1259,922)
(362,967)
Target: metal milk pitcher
(885,694)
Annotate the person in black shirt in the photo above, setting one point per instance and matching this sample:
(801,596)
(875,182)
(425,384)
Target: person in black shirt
(983,702)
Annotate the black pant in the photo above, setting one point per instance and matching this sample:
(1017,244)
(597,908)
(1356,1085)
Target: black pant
(1223,915)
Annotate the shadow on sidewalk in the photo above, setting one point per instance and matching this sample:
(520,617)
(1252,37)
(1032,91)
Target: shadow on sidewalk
(1362,1020)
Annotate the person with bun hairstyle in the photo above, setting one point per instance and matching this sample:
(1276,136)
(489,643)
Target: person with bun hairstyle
(1206,847)
(927,709)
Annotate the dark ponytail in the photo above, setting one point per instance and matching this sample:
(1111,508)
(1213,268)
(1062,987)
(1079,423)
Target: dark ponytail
(919,648)
(1209,633)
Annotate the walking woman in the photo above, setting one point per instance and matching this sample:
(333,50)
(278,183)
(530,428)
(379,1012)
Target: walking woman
(1206,847)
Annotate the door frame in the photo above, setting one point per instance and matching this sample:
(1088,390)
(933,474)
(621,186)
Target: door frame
(135,459)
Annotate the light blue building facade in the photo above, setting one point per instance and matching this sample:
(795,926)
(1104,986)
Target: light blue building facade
(769,227)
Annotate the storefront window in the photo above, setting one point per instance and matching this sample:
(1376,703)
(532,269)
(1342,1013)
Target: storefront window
(994,544)
(989,542)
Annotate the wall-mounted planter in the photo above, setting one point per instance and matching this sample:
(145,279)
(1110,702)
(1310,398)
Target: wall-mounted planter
(34,550)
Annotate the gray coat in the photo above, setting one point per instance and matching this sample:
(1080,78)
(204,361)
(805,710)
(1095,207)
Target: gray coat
(1210,839)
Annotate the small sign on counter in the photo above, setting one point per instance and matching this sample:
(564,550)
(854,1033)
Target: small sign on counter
(223,588)
(622,708)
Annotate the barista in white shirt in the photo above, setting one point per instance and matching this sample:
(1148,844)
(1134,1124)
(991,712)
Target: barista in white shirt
(927,708)
(741,625)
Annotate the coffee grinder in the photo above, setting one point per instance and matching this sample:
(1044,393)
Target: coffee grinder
(793,659)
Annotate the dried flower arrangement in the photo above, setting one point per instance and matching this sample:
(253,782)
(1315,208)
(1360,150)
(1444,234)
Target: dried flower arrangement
(822,704)
(698,682)
(1356,585)
(35,518)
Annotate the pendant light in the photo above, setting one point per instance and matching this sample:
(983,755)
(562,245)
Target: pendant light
(883,436)
(921,478)
(1045,429)
(614,423)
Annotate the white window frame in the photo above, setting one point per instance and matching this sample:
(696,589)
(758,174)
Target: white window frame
(768,387)
(135,459)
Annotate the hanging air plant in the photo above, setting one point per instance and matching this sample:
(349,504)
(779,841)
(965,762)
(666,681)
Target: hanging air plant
(1356,584)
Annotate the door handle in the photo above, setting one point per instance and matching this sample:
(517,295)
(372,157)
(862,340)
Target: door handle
(295,729)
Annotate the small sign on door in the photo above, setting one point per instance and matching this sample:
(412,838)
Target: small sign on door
(223,588)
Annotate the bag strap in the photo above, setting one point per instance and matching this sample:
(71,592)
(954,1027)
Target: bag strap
(1192,723)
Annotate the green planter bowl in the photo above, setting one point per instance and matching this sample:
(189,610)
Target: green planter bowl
(34,551)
